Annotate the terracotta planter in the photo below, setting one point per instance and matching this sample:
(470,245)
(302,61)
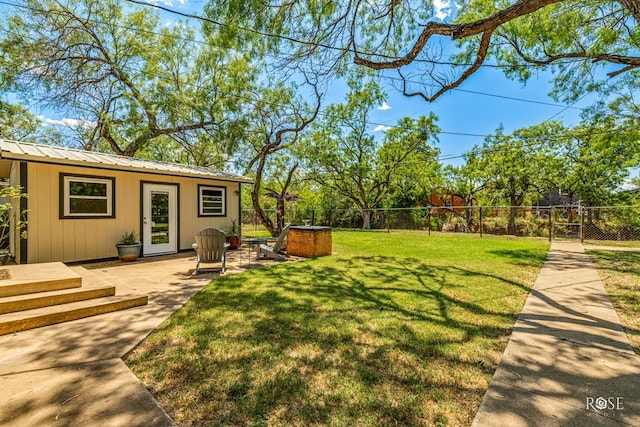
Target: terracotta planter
(128,253)
(234,242)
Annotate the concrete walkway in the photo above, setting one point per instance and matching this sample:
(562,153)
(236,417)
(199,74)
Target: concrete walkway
(568,361)
(72,374)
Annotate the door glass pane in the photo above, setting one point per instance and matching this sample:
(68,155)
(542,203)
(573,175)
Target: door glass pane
(159,218)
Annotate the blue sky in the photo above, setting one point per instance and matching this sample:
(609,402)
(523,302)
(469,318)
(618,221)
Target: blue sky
(470,113)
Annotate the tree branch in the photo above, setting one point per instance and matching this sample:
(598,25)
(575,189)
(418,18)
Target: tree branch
(458,31)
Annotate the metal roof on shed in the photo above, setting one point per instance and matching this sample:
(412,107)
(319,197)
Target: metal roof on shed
(13,150)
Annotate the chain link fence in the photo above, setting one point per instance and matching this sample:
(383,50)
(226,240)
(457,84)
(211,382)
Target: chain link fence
(615,223)
(612,223)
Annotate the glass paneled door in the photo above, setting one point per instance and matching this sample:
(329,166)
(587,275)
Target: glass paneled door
(159,219)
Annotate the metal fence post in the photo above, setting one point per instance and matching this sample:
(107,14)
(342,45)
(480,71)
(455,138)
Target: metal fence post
(480,222)
(550,223)
(386,215)
(581,209)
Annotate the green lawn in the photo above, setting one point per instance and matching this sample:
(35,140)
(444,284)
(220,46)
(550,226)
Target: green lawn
(393,329)
(620,273)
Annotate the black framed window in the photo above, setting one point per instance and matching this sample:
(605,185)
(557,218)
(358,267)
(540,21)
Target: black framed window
(86,196)
(212,201)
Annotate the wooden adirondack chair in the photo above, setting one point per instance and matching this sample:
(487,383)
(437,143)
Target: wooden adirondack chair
(275,251)
(210,247)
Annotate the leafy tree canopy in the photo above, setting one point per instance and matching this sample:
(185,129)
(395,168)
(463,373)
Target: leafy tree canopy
(589,161)
(16,122)
(575,37)
(340,153)
(131,79)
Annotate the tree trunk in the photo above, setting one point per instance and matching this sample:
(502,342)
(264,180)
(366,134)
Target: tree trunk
(366,219)
(513,212)
(255,194)
(279,215)
(260,213)
(569,207)
(511,226)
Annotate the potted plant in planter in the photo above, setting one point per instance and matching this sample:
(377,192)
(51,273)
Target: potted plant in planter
(128,247)
(233,235)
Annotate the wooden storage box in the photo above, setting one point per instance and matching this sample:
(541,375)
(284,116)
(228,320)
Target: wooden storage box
(309,241)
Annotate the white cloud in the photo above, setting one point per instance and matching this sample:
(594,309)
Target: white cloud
(381,128)
(627,185)
(70,123)
(442,8)
(169,3)
(384,106)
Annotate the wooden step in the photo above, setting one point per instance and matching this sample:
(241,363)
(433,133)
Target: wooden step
(48,299)
(30,319)
(33,278)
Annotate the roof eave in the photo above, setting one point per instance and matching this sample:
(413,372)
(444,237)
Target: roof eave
(7,155)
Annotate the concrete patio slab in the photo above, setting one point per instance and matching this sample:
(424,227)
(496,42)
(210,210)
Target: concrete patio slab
(73,373)
(102,393)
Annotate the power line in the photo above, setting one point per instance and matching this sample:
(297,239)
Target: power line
(566,108)
(493,95)
(244,98)
(315,44)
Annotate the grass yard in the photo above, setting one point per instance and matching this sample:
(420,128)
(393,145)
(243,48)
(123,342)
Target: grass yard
(393,329)
(620,273)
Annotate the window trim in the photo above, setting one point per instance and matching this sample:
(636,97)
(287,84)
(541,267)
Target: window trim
(65,197)
(202,187)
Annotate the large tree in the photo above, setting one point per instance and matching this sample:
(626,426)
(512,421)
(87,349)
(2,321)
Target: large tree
(277,120)
(342,155)
(592,160)
(512,168)
(119,70)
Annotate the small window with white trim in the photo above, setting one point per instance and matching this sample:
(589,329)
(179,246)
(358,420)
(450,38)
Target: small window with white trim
(212,201)
(86,196)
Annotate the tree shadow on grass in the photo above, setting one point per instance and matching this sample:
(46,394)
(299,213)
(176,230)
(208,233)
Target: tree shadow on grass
(362,340)
(619,261)
(620,271)
(522,257)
